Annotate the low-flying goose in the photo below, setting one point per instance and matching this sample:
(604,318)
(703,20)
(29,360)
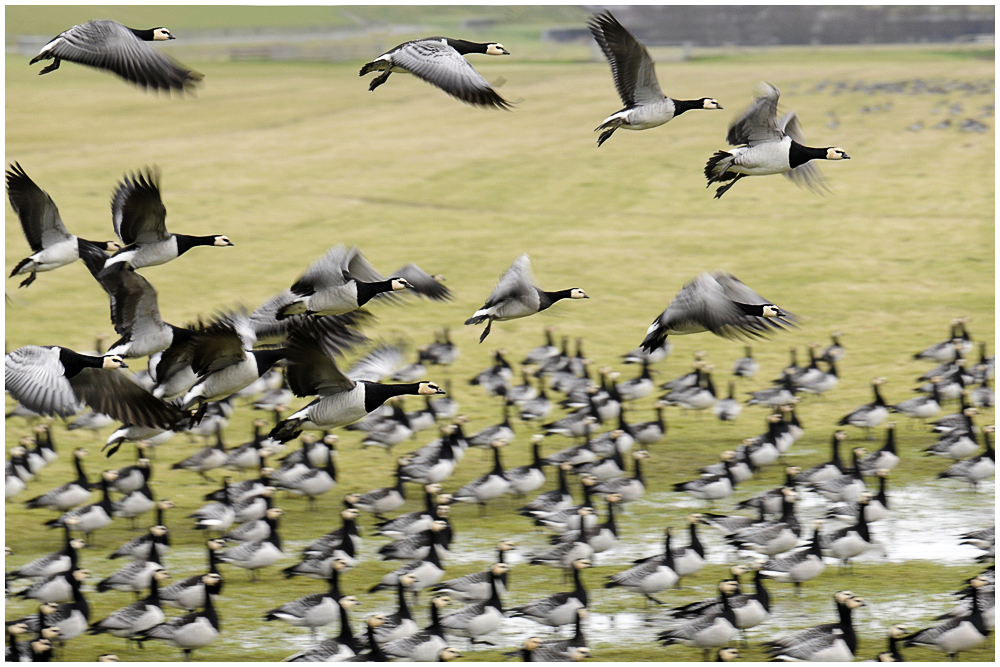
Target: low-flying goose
(766,144)
(55,380)
(720,303)
(439,62)
(139,218)
(111,46)
(635,78)
(342,400)
(559,609)
(191,631)
(828,642)
(516,296)
(51,244)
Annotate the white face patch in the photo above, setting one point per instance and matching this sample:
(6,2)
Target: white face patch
(712,104)
(161,34)
(222,241)
(400,284)
(496,50)
(576,293)
(836,154)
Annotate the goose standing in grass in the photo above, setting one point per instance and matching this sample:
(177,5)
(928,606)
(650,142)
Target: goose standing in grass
(90,518)
(479,618)
(139,548)
(559,609)
(311,611)
(885,458)
(70,494)
(205,459)
(767,145)
(191,631)
(959,441)
(710,630)
(490,486)
(651,575)
(253,556)
(426,645)
(746,366)
(439,61)
(139,218)
(728,409)
(426,572)
(637,387)
(629,488)
(342,400)
(851,541)
(54,380)
(551,501)
(54,588)
(136,617)
(870,415)
(834,351)
(635,78)
(977,468)
(527,478)
(392,626)
(386,499)
(477,586)
(54,563)
(711,487)
(134,577)
(218,515)
(71,618)
(799,566)
(720,303)
(848,487)
(771,537)
(516,296)
(835,642)
(921,407)
(111,46)
(876,509)
(51,244)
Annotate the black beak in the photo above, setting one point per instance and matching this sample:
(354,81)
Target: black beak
(440,391)
(505,52)
(123,365)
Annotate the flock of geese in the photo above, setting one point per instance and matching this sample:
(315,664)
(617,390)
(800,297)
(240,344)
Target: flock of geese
(289,347)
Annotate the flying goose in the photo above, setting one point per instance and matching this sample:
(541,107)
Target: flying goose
(766,145)
(439,62)
(342,400)
(111,46)
(635,78)
(55,380)
(720,303)
(516,296)
(828,642)
(51,245)
(191,631)
(139,218)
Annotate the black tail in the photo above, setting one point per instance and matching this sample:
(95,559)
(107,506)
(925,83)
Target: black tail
(712,172)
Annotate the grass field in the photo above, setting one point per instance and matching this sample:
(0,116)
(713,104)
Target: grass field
(288,159)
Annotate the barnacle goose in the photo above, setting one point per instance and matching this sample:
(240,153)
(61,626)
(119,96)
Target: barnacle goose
(394,626)
(490,486)
(846,488)
(439,62)
(205,459)
(134,577)
(745,366)
(54,563)
(713,629)
(136,617)
(728,409)
(426,645)
(771,537)
(720,303)
(651,575)
(711,487)
(527,478)
(413,522)
(477,586)
(870,415)
(259,554)
(70,494)
(635,78)
(191,631)
(829,642)
(516,296)
(51,244)
(559,609)
(479,618)
(800,566)
(311,611)
(426,572)
(90,518)
(851,541)
(551,501)
(977,468)
(921,407)
(766,145)
(955,635)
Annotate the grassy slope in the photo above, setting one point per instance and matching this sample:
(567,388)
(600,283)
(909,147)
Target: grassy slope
(289,159)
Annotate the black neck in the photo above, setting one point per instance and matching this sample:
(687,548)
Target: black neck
(346,637)
(494,600)
(404,610)
(579,592)
(73,362)
(185,242)
(334,583)
(763,597)
(668,555)
(376,394)
(847,627)
(638,471)
(798,154)
(274,538)
(435,627)
(79,601)
(145,35)
(536,453)
(368,291)
(106,498)
(154,592)
(695,542)
(563,485)
(464,47)
(497,466)
(546,299)
(81,477)
(375,654)
(835,459)
(680,106)
(267,358)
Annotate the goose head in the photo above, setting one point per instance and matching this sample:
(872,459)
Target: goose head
(349,602)
(399,284)
(728,654)
(496,49)
(220,241)
(505,545)
(499,568)
(441,601)
(577,293)
(376,620)
(161,34)
(429,389)
(709,103)
(113,361)
(448,654)
(158,531)
(161,575)
(835,153)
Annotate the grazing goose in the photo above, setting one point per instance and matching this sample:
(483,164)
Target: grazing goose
(745,367)
(835,642)
(870,415)
(190,594)
(426,572)
(516,296)
(90,518)
(51,244)
(111,46)
(136,617)
(559,609)
(768,145)
(797,567)
(426,645)
(191,631)
(479,618)
(708,631)
(139,218)
(259,554)
(342,400)
(635,78)
(477,586)
(439,62)
(70,494)
(977,468)
(651,575)
(490,486)
(55,380)
(312,611)
(720,303)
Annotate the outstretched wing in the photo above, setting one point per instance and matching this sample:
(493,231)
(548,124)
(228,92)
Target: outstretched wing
(137,212)
(113,393)
(517,282)
(37,212)
(759,123)
(808,174)
(631,65)
(437,63)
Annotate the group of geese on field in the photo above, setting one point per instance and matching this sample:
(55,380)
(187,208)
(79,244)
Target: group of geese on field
(764,143)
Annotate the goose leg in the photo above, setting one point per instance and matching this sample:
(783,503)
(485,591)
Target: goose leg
(486,331)
(31,278)
(379,80)
(51,68)
(725,188)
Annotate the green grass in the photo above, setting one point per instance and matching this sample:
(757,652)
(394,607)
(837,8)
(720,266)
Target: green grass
(289,159)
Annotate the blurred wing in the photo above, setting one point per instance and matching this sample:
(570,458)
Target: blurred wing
(631,65)
(330,270)
(423,283)
(137,212)
(39,216)
(808,174)
(134,307)
(310,370)
(215,347)
(112,393)
(110,45)
(517,282)
(378,364)
(759,123)
(440,65)
(736,290)
(36,378)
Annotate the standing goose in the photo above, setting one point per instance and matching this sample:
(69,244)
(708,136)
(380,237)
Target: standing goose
(55,380)
(140,221)
(977,468)
(426,572)
(477,586)
(490,486)
(885,458)
(70,494)
(387,498)
(191,631)
(559,609)
(798,567)
(728,409)
(851,541)
(439,62)
(551,501)
(921,407)
(205,459)
(111,46)
(393,626)
(712,487)
(139,548)
(54,563)
(311,611)
(712,629)
(51,245)
(256,555)
(342,400)
(217,515)
(652,575)
(426,645)
(90,517)
(134,577)
(191,593)
(875,509)
(870,415)
(516,296)
(479,618)
(527,478)
(767,145)
(835,642)
(720,303)
(745,367)
(958,633)
(71,618)
(690,559)
(629,488)
(635,78)
(341,648)
(136,617)
(651,432)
